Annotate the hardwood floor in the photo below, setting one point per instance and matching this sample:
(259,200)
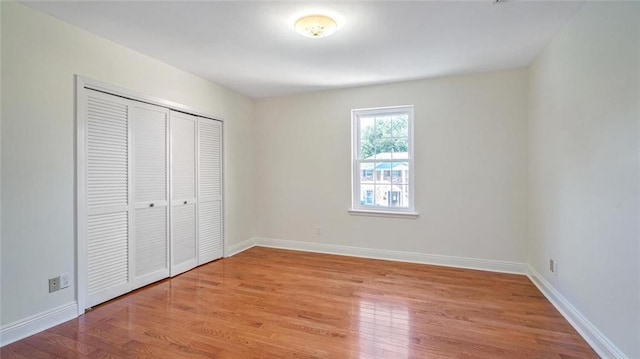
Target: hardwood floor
(268,303)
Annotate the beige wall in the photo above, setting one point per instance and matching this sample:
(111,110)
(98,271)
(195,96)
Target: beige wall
(40,56)
(470,159)
(584,125)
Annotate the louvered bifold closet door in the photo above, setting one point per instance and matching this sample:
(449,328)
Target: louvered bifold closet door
(183,192)
(209,190)
(107,196)
(151,194)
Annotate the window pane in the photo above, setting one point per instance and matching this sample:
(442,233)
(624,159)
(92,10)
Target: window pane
(399,148)
(383,138)
(400,173)
(367,138)
(383,172)
(366,172)
(366,179)
(400,126)
(383,126)
(366,126)
(376,141)
(383,183)
(399,196)
(367,195)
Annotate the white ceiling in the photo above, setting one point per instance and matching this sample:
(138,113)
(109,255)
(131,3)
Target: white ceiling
(251,47)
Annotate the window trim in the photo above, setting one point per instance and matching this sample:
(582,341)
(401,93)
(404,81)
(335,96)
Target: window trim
(356,207)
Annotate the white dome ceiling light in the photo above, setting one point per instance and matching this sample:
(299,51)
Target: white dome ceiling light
(315,26)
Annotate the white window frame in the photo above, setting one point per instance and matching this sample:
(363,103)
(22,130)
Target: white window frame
(356,207)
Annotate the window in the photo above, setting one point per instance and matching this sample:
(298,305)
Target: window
(383,160)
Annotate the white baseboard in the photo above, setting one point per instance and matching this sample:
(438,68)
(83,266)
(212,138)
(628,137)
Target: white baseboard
(234,249)
(37,323)
(434,259)
(598,341)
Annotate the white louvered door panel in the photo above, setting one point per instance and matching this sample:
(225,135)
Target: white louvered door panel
(107,151)
(151,240)
(183,156)
(210,242)
(183,192)
(209,231)
(108,256)
(108,194)
(151,245)
(183,220)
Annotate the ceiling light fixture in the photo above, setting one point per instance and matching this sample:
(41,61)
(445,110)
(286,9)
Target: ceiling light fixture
(316,26)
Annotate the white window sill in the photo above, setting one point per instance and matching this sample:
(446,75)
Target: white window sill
(388,214)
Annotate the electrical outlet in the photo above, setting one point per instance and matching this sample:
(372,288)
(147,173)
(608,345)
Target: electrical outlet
(65,280)
(318,230)
(553,266)
(54,284)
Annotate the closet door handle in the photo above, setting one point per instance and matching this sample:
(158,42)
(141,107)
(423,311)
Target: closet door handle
(185,202)
(151,205)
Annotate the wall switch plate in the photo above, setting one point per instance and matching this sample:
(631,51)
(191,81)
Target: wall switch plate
(65,280)
(54,284)
(553,266)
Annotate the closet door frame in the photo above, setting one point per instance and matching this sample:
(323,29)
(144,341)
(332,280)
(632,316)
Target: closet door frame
(80,158)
